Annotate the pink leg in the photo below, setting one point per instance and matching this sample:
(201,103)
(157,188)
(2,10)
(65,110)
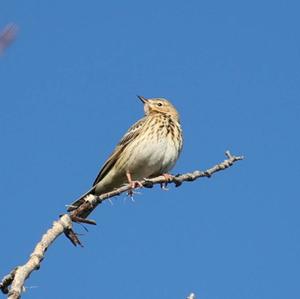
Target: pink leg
(168,178)
(133,184)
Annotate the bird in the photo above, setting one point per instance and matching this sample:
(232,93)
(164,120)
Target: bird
(149,148)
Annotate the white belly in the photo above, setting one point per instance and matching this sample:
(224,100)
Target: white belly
(152,158)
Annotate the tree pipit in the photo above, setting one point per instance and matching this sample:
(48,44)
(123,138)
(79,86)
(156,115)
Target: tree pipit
(150,148)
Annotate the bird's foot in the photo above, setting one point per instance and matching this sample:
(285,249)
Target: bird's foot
(168,177)
(132,185)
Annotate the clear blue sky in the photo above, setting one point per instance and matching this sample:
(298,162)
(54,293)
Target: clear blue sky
(68,86)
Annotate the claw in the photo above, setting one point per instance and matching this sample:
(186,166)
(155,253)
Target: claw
(133,185)
(168,177)
(131,194)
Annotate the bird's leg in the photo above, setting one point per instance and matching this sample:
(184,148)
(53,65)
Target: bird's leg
(132,184)
(168,177)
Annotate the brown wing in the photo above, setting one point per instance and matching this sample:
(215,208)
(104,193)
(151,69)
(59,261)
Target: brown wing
(132,132)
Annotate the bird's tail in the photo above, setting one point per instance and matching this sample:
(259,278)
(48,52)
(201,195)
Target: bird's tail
(74,205)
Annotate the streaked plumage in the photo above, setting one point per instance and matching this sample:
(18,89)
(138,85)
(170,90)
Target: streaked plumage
(150,148)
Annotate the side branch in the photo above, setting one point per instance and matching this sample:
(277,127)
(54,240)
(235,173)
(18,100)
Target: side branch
(91,202)
(13,283)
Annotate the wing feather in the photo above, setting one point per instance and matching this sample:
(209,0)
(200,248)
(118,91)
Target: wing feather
(132,132)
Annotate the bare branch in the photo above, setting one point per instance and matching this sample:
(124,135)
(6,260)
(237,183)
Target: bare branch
(92,201)
(18,276)
(13,283)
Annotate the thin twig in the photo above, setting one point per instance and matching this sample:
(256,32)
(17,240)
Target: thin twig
(7,36)
(13,283)
(91,202)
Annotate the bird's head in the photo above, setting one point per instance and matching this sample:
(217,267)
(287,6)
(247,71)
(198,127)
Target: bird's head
(158,105)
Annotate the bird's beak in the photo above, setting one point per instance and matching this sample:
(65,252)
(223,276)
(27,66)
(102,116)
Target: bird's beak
(144,100)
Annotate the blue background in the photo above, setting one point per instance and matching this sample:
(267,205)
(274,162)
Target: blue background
(68,86)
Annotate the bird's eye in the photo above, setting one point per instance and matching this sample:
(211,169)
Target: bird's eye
(159,104)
